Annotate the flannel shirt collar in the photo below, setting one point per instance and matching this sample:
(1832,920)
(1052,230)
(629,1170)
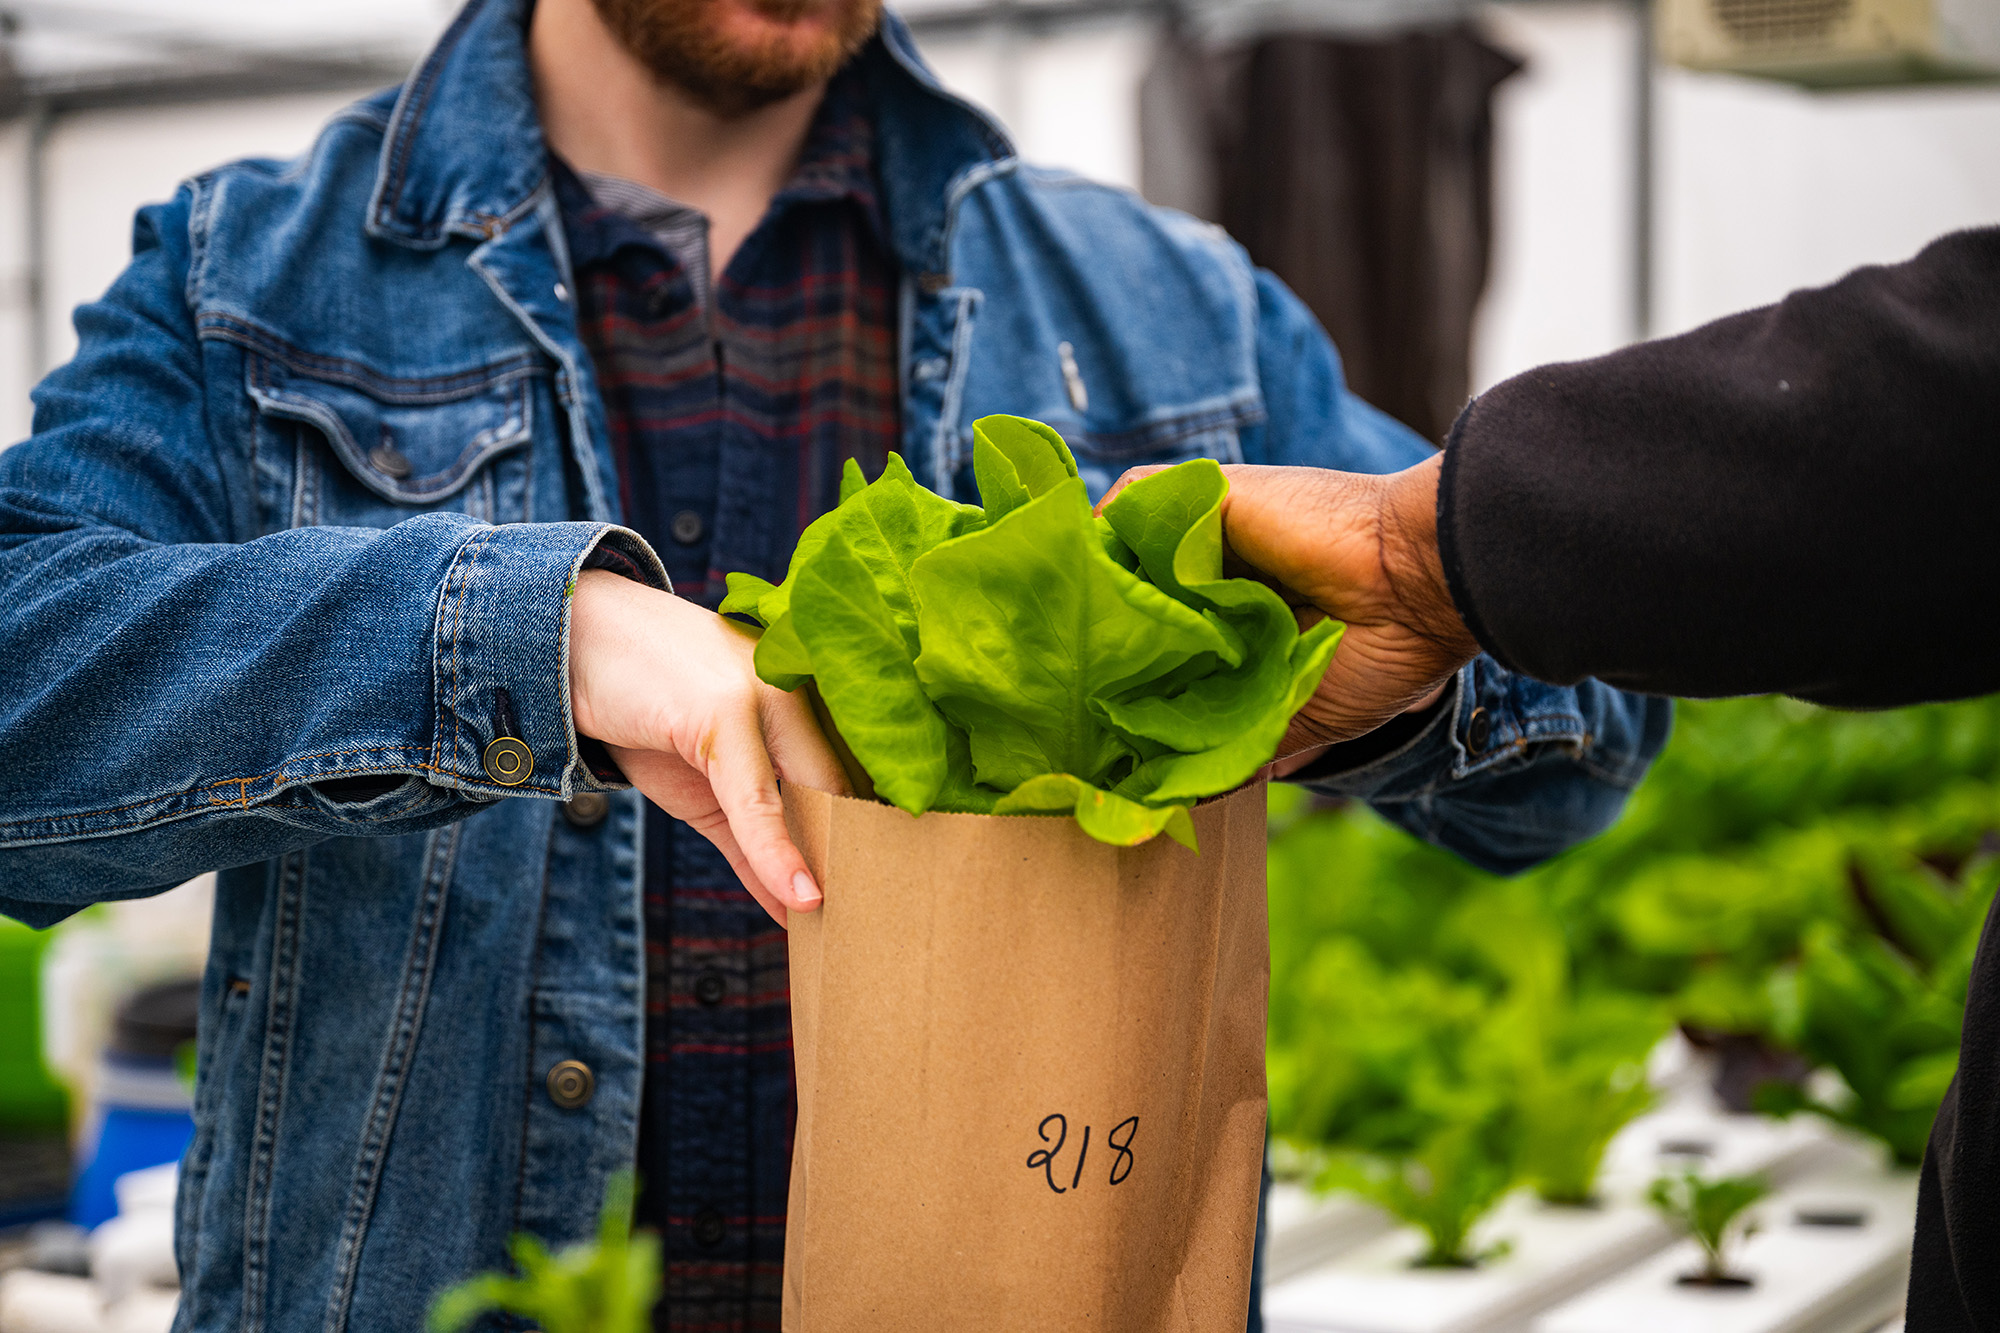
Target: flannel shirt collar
(837,162)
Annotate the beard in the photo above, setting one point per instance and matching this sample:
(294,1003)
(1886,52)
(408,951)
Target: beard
(734,56)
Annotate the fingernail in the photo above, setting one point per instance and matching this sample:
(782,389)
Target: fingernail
(804,889)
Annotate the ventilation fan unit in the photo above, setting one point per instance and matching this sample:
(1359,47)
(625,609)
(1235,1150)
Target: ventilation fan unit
(1835,43)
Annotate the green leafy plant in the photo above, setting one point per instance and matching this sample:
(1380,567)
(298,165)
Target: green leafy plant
(1572,1063)
(1428,1037)
(1028,657)
(605,1286)
(1443,1186)
(1715,1213)
(1809,879)
(1381,1100)
(1570,1111)
(1883,1006)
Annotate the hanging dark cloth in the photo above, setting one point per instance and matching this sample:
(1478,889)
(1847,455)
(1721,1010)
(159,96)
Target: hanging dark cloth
(1360,171)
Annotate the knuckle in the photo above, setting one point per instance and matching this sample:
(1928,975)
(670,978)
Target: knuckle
(755,801)
(763,802)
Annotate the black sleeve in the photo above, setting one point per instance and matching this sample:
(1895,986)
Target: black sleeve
(1798,499)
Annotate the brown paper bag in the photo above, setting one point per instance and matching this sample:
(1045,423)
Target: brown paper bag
(1031,1073)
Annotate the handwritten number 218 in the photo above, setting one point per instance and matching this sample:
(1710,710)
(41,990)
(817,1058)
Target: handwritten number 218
(1044,1159)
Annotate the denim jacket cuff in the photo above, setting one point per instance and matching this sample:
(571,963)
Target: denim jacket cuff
(500,661)
(1504,716)
(1427,753)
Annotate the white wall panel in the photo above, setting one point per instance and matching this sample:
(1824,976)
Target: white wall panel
(102,166)
(1562,192)
(14,375)
(1070,99)
(1764,189)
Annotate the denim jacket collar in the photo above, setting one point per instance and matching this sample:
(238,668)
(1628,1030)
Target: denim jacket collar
(464,153)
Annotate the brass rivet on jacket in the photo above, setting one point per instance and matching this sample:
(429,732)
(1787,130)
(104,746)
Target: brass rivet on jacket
(390,460)
(1478,731)
(571,1083)
(509,761)
(586,809)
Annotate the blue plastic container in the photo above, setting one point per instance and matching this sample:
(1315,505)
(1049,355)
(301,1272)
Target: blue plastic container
(130,1138)
(140,1112)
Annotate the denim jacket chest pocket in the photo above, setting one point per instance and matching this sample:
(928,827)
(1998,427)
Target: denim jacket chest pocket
(1132,333)
(362,449)
(1103,455)
(1108,440)
(1115,411)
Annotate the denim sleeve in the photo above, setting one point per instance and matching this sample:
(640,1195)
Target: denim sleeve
(174,698)
(1510,771)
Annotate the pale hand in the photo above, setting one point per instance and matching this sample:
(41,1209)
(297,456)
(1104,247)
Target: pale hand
(669,689)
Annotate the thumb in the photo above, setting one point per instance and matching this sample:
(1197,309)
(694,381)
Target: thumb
(1131,475)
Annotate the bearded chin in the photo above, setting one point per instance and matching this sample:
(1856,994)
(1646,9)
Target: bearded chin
(691,45)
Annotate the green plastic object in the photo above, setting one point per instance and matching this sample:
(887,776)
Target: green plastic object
(31,1101)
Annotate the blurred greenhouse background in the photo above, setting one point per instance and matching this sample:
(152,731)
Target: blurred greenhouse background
(1756,188)
(1781,924)
(1798,892)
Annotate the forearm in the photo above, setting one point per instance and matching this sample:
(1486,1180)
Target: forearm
(167,708)
(1795,499)
(178,693)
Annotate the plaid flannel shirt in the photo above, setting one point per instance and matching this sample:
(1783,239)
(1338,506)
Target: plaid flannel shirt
(730,424)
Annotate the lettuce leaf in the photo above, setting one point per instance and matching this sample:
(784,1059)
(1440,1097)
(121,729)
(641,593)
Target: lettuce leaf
(1029,657)
(1105,816)
(1026,623)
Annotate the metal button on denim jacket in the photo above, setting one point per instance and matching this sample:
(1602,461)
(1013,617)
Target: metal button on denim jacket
(290,549)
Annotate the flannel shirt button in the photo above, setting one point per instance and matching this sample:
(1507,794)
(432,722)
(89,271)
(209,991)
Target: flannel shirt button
(686,528)
(1478,731)
(509,761)
(571,1083)
(562,293)
(586,809)
(709,988)
(709,1228)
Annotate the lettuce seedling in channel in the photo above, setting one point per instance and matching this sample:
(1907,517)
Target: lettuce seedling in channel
(604,1286)
(1444,1187)
(1573,1061)
(1030,657)
(1715,1213)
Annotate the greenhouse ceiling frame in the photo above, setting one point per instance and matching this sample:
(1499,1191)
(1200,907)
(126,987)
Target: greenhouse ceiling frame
(217,74)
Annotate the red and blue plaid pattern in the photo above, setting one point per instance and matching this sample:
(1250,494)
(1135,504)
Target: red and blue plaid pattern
(730,426)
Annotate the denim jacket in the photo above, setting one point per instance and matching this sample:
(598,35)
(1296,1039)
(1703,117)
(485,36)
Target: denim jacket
(290,545)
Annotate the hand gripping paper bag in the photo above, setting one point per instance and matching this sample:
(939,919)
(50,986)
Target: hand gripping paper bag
(1030,1073)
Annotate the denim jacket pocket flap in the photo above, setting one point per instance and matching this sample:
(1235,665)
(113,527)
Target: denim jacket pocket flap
(409,445)
(1205,430)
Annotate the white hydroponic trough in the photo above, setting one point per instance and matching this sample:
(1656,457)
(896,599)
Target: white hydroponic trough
(1554,1252)
(1833,1257)
(1303,1230)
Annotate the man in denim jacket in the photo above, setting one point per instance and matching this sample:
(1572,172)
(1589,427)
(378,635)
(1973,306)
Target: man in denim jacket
(313,572)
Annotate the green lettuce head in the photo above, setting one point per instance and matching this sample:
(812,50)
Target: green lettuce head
(1029,657)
